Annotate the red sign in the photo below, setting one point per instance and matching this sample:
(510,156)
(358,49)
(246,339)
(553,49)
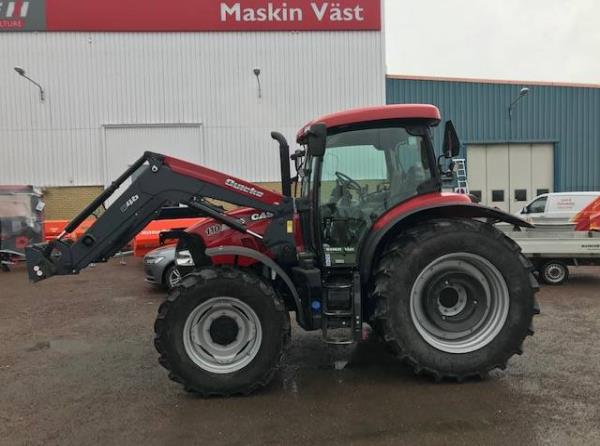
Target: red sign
(190,15)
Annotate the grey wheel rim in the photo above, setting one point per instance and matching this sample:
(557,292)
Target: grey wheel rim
(554,273)
(174,278)
(222,335)
(459,303)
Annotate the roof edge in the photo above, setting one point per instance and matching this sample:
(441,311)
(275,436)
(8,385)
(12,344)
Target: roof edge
(490,81)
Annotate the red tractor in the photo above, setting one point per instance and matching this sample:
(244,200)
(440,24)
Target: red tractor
(370,239)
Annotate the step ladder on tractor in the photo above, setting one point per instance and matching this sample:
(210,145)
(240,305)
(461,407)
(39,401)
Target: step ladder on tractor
(460,168)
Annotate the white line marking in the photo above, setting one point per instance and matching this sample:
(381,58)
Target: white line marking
(24,9)
(10,9)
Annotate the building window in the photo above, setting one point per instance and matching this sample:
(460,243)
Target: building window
(476,194)
(520,194)
(541,191)
(497,195)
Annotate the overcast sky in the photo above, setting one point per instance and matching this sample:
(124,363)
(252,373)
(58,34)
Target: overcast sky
(545,40)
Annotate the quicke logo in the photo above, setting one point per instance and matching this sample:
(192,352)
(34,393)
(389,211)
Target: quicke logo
(243,188)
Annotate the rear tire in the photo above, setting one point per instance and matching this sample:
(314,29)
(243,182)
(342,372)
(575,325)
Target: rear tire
(222,332)
(554,272)
(454,298)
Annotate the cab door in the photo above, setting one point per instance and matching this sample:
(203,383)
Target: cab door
(366,170)
(535,212)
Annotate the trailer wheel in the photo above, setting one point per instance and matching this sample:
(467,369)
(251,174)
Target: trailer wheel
(222,332)
(454,298)
(554,272)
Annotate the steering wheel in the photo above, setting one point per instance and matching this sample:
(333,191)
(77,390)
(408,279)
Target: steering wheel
(349,182)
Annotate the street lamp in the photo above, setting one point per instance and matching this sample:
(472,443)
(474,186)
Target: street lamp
(21,72)
(256,72)
(524,92)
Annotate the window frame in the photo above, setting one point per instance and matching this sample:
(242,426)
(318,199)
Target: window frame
(418,127)
(545,199)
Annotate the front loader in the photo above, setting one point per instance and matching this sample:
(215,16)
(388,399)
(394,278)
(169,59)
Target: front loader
(370,238)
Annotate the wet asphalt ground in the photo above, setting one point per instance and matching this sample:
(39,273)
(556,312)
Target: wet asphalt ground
(77,366)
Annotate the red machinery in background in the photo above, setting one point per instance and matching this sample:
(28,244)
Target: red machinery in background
(144,242)
(20,221)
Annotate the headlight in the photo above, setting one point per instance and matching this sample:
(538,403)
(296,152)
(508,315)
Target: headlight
(153,260)
(184,258)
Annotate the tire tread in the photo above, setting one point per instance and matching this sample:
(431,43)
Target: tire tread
(398,248)
(204,277)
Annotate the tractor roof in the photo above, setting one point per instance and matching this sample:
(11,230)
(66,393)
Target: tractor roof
(377,113)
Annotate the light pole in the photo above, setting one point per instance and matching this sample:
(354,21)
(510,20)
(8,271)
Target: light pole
(21,72)
(522,93)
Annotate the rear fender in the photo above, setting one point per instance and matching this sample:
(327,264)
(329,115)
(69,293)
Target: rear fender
(381,233)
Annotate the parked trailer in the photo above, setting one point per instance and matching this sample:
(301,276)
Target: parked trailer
(553,249)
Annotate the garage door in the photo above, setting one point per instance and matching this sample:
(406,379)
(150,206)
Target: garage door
(509,176)
(126,143)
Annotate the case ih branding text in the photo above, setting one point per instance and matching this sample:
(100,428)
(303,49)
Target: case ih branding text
(271,13)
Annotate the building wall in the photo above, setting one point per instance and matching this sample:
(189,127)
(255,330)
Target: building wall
(566,115)
(93,80)
(64,203)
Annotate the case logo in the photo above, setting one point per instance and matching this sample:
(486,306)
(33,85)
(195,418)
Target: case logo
(261,216)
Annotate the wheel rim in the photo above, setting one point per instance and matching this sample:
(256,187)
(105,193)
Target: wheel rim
(174,277)
(459,303)
(555,273)
(222,335)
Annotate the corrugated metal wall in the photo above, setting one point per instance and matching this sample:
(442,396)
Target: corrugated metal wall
(94,79)
(569,116)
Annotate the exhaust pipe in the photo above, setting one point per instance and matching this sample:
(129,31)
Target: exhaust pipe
(284,160)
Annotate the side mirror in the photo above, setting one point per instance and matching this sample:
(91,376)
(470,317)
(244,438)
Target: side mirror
(317,138)
(451,144)
(524,210)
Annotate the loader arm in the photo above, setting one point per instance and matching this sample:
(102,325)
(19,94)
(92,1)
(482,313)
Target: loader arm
(158,180)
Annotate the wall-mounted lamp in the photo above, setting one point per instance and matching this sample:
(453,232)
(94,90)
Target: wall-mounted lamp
(524,92)
(21,72)
(256,72)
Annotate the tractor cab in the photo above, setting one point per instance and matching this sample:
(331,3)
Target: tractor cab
(360,164)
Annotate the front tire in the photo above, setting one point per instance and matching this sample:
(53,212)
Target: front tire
(454,298)
(222,332)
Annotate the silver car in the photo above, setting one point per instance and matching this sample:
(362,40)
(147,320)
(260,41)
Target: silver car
(160,268)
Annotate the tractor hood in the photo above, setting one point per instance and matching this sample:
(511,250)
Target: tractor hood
(215,233)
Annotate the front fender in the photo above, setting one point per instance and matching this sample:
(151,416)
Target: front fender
(381,232)
(265,260)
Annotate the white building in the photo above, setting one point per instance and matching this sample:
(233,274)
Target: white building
(111,95)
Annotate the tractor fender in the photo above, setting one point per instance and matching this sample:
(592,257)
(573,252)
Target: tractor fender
(267,261)
(380,233)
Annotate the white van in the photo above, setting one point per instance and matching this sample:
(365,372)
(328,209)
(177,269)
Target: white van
(557,208)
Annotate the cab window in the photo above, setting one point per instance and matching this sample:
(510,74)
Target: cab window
(538,206)
(365,172)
